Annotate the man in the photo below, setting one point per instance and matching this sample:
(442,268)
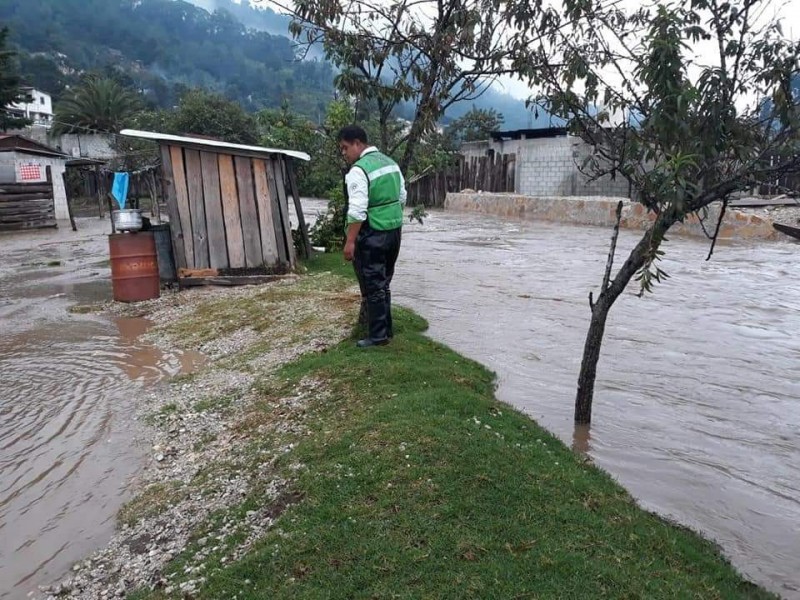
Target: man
(376,193)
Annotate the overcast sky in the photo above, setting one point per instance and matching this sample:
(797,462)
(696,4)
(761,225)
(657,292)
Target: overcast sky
(788,10)
(705,52)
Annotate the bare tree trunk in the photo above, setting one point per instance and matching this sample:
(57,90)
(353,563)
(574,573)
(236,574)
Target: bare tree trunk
(650,241)
(414,137)
(591,356)
(421,117)
(384,126)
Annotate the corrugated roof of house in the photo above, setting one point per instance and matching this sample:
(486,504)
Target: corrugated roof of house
(212,145)
(528,134)
(19,143)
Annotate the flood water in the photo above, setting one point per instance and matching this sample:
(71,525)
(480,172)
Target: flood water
(697,408)
(68,391)
(697,404)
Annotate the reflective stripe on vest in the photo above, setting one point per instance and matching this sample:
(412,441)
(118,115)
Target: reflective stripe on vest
(384,211)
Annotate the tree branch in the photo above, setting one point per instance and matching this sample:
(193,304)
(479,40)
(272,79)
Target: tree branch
(613,249)
(716,231)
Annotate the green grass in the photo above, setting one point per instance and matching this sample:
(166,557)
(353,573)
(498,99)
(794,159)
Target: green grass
(263,311)
(330,262)
(152,501)
(417,483)
(168,409)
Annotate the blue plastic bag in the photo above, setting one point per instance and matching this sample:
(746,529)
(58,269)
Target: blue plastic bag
(120,188)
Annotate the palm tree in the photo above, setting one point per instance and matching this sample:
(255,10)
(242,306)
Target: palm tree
(99,104)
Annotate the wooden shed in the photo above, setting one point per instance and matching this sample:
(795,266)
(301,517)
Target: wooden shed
(228,205)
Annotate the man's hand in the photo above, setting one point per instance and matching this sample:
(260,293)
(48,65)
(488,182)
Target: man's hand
(349,251)
(350,244)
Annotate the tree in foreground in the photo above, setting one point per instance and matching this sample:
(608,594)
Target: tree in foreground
(431,53)
(686,129)
(10,92)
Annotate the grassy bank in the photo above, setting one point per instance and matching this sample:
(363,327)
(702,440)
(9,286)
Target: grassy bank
(409,480)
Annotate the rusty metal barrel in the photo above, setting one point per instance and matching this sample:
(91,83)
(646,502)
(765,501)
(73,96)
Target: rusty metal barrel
(134,266)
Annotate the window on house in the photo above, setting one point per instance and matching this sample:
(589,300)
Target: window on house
(41,100)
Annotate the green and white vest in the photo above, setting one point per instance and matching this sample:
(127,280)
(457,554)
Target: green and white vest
(384,211)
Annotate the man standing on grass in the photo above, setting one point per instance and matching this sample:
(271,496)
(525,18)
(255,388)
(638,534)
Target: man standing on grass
(376,193)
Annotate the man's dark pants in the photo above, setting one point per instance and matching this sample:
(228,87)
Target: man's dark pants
(375,256)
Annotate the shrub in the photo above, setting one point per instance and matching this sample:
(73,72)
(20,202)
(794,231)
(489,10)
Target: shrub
(328,231)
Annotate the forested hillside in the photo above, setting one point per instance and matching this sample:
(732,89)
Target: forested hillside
(259,16)
(163,46)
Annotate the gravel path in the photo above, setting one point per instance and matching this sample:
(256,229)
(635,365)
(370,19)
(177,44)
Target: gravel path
(202,462)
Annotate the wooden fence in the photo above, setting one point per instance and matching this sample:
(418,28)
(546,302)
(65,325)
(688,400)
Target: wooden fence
(788,184)
(90,181)
(493,173)
(27,205)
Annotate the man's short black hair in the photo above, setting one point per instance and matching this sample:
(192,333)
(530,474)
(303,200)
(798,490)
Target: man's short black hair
(352,133)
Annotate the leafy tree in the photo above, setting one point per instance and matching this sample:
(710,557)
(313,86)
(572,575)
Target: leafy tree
(286,129)
(434,53)
(685,134)
(154,120)
(436,151)
(98,104)
(477,124)
(10,91)
(205,113)
(328,231)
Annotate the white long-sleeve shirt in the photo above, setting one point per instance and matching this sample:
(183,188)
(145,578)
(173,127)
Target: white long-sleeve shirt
(358,191)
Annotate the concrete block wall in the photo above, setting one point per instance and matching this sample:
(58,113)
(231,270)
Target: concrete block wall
(547,168)
(550,166)
(92,145)
(601,211)
(470,150)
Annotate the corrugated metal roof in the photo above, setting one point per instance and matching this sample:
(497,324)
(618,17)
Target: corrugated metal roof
(193,141)
(84,162)
(542,132)
(19,143)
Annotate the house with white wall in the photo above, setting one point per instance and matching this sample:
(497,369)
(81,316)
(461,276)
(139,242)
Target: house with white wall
(38,107)
(23,160)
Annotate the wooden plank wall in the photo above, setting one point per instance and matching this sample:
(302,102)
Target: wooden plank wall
(486,173)
(171,199)
(231,212)
(787,184)
(212,205)
(27,205)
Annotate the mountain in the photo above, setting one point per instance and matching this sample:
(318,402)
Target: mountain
(514,111)
(161,47)
(767,105)
(515,114)
(253,16)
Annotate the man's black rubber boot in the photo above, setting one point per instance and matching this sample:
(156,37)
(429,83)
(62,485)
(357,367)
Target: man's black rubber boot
(368,343)
(363,319)
(389,324)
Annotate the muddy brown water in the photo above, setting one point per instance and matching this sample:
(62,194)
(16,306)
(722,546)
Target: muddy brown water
(69,384)
(697,409)
(697,405)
